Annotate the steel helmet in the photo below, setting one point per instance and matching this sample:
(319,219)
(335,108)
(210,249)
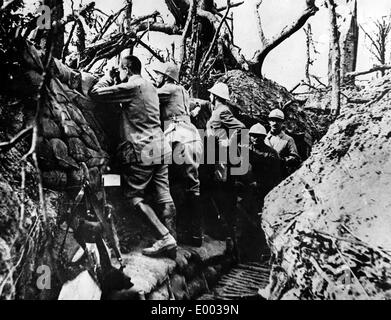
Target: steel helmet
(277,114)
(258,129)
(221,90)
(170,70)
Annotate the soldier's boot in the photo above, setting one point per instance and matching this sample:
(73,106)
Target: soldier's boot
(195,212)
(164,247)
(167,244)
(167,214)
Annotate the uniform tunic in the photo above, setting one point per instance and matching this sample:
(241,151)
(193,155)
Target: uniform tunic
(222,125)
(286,149)
(182,135)
(143,148)
(140,119)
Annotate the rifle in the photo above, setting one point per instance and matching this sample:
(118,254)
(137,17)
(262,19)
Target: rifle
(104,216)
(89,231)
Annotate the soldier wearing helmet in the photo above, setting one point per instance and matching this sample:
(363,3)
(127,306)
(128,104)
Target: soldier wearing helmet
(222,122)
(224,127)
(187,148)
(265,163)
(264,173)
(281,142)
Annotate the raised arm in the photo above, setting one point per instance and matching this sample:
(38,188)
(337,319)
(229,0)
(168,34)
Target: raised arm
(230,123)
(293,152)
(164,95)
(107,91)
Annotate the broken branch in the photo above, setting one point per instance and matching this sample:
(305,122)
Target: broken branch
(261,33)
(289,30)
(374,69)
(233,5)
(154,53)
(213,43)
(182,49)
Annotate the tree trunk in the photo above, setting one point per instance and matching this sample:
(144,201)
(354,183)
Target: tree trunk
(335,59)
(57,13)
(308,32)
(127,25)
(349,43)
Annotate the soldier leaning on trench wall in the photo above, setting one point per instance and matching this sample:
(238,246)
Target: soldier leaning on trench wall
(87,81)
(145,147)
(142,149)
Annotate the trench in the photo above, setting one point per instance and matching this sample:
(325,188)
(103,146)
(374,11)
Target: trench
(213,272)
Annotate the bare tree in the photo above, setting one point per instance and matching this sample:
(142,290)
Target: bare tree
(349,42)
(311,52)
(57,13)
(335,50)
(379,39)
(267,45)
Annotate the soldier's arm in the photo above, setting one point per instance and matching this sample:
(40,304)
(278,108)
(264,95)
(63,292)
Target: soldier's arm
(107,91)
(230,122)
(293,152)
(164,95)
(231,125)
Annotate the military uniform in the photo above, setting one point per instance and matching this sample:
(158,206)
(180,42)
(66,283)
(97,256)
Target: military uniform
(181,134)
(286,149)
(143,149)
(187,148)
(223,126)
(265,169)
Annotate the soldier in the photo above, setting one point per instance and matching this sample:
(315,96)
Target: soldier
(282,143)
(265,164)
(142,149)
(187,148)
(223,126)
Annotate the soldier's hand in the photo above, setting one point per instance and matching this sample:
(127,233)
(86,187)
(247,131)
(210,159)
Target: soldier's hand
(195,112)
(113,73)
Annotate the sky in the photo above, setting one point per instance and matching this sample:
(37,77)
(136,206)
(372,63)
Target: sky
(285,64)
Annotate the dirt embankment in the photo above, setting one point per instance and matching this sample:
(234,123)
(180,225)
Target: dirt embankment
(329,224)
(66,139)
(23,241)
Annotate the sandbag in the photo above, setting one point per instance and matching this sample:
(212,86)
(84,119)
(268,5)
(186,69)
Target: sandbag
(78,150)
(54,110)
(71,129)
(87,81)
(60,152)
(50,129)
(76,177)
(76,115)
(90,138)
